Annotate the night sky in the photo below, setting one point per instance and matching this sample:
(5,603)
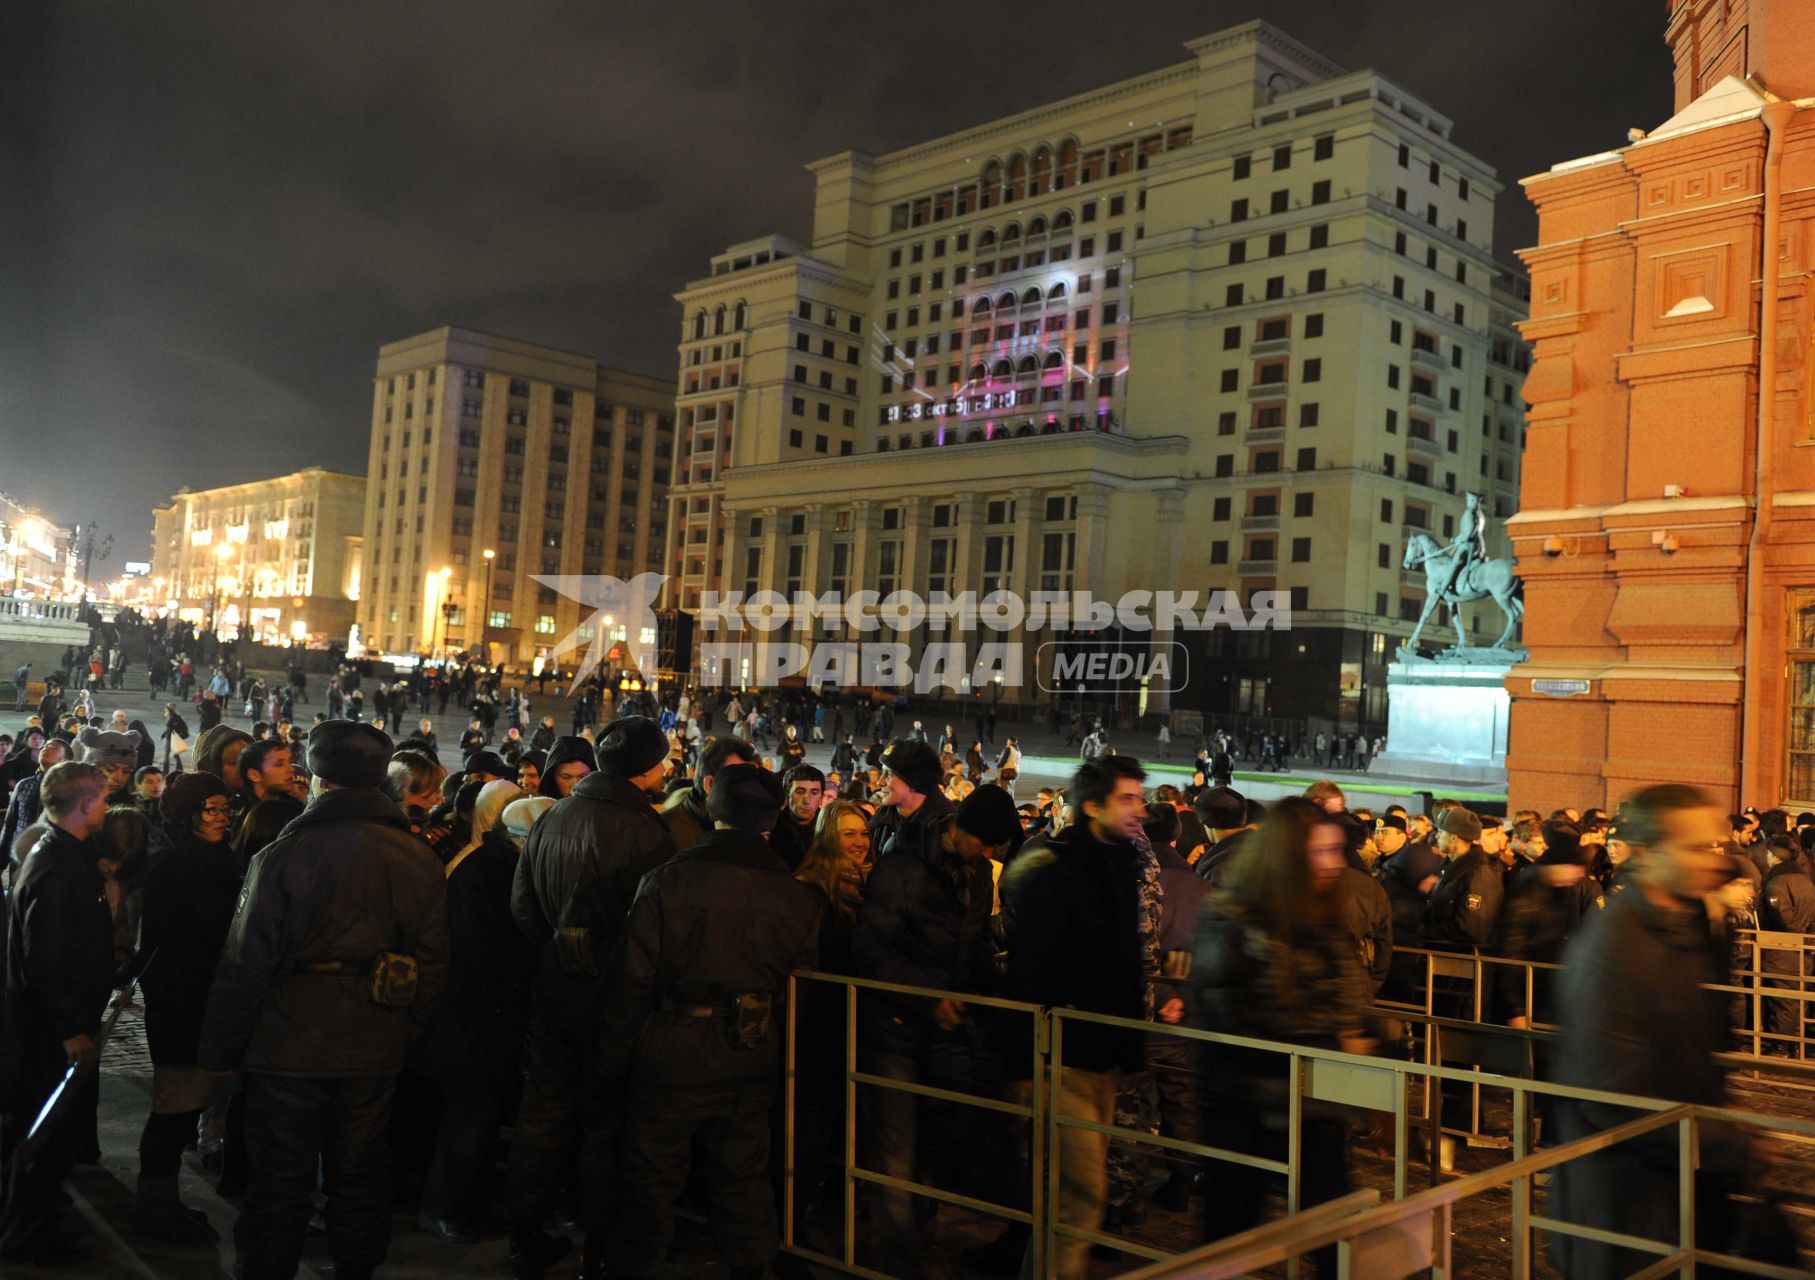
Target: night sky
(211,215)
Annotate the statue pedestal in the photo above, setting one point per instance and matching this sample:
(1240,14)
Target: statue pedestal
(1447,719)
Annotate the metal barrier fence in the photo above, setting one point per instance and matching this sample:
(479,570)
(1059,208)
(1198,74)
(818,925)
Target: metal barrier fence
(1315,1077)
(1392,1241)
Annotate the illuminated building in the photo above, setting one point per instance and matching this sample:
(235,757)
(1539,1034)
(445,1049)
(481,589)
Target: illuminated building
(1667,535)
(1233,324)
(544,458)
(276,560)
(34,553)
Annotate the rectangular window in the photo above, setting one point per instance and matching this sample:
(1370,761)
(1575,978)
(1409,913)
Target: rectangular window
(1303,503)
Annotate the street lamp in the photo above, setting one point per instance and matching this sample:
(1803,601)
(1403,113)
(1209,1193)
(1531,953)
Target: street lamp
(443,574)
(221,553)
(485,610)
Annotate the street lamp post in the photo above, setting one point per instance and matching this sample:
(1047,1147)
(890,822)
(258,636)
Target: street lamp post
(485,609)
(221,552)
(435,648)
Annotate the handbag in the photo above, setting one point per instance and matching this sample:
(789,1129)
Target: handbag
(177,745)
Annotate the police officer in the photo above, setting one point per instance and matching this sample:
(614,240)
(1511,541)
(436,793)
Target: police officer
(572,890)
(337,952)
(1464,904)
(693,1027)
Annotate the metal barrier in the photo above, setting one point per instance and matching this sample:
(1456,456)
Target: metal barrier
(1413,1235)
(1314,1076)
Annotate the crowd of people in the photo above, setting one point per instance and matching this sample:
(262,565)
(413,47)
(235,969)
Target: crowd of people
(361,969)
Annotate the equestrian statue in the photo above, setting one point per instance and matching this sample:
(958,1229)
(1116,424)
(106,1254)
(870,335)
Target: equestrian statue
(1460,573)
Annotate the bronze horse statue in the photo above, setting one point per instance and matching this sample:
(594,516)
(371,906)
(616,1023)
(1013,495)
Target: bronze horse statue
(1480,580)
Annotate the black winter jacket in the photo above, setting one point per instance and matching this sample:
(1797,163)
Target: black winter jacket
(1071,924)
(1536,924)
(190,891)
(345,881)
(924,923)
(1366,916)
(716,921)
(790,839)
(1464,906)
(580,870)
(1634,1019)
(477,1032)
(59,958)
(890,832)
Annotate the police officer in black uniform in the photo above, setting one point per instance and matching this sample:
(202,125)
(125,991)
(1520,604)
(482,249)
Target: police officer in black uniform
(1464,905)
(336,955)
(693,1027)
(574,884)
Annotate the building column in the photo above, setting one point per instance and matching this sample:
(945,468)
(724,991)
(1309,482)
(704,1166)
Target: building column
(1022,581)
(1171,519)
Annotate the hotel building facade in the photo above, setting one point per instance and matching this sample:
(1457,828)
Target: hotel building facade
(279,561)
(545,459)
(1236,324)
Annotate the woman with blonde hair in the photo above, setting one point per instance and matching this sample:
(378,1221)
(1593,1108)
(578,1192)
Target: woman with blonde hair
(835,865)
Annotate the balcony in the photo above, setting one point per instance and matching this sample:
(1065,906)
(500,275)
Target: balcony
(1269,391)
(1264,435)
(1428,358)
(1251,523)
(1423,444)
(1258,566)
(1429,404)
(1270,347)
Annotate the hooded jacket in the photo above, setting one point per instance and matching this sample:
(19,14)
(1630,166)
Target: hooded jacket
(345,881)
(191,888)
(565,751)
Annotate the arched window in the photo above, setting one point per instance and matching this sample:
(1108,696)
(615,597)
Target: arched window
(739,316)
(1050,428)
(1054,360)
(986,239)
(980,307)
(1011,233)
(1006,300)
(1036,226)
(1057,291)
(978,373)
(1014,182)
(1028,365)
(699,326)
(718,320)
(1025,429)
(1031,298)
(1066,172)
(1061,221)
(973,436)
(1041,179)
(1001,369)
(989,193)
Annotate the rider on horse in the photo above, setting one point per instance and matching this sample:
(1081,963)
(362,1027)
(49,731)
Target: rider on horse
(1468,547)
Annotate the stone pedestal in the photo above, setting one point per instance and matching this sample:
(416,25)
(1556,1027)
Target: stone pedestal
(1446,721)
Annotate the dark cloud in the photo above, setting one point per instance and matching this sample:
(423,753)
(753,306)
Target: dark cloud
(214,213)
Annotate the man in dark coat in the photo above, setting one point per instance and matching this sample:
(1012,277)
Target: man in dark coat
(1786,904)
(924,922)
(1225,817)
(684,812)
(1070,920)
(571,893)
(802,788)
(1545,904)
(1463,909)
(59,972)
(912,817)
(336,956)
(1636,1017)
(693,1026)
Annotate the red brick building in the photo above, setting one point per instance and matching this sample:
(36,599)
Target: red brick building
(1667,525)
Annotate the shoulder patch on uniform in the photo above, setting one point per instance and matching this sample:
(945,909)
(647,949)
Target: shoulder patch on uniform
(1600,900)
(239,908)
(1474,902)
